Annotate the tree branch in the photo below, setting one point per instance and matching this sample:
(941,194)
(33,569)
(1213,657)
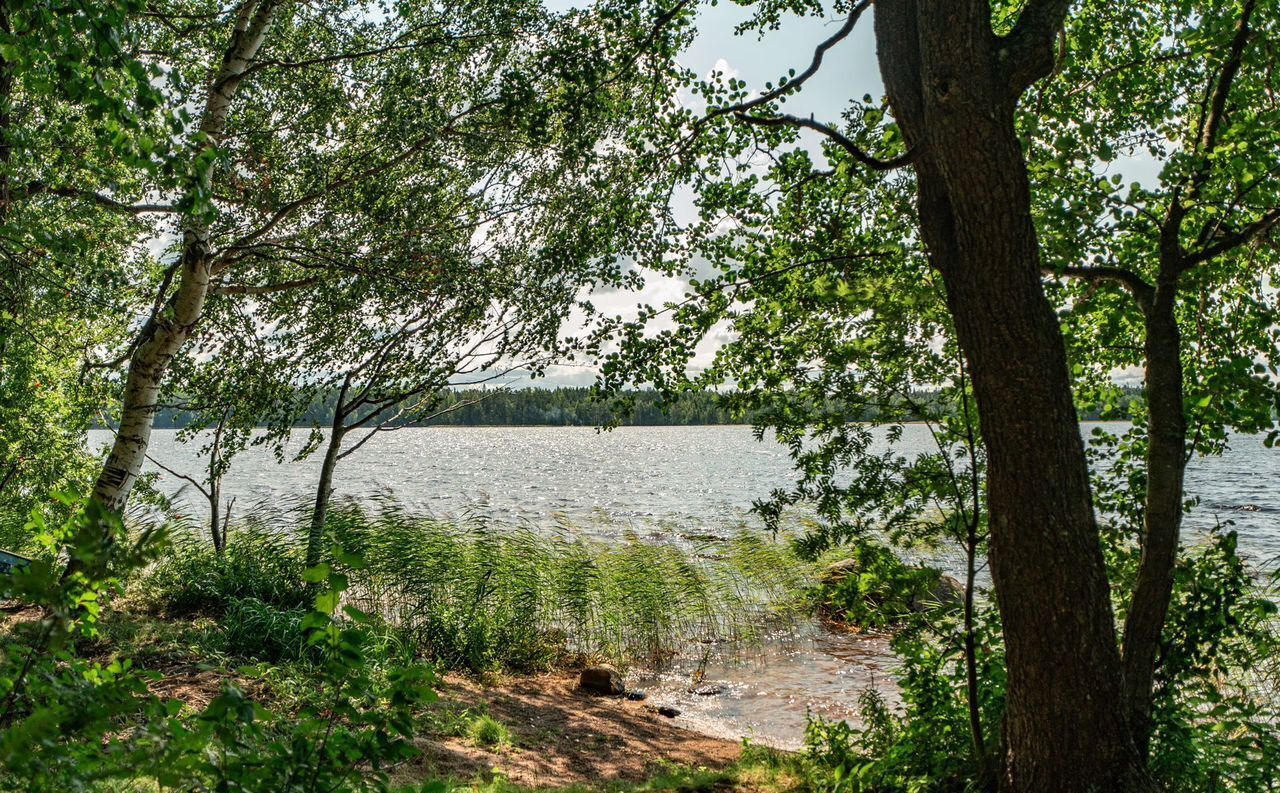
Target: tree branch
(1228,242)
(794,84)
(1028,49)
(258,65)
(846,143)
(265,289)
(33,189)
(742,110)
(1222,88)
(198,485)
(1143,292)
(148,328)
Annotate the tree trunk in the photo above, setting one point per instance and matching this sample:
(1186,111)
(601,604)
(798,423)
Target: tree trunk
(972,689)
(175,323)
(324,488)
(1162,516)
(147,366)
(952,93)
(217,525)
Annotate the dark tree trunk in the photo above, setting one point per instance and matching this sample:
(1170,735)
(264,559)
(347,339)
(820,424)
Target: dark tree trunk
(324,488)
(1166,464)
(217,518)
(971,656)
(953,86)
(217,525)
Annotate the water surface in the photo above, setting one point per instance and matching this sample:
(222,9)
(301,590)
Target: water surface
(669,483)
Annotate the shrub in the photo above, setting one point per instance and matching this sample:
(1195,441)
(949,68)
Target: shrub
(875,589)
(76,724)
(926,745)
(486,731)
(260,563)
(1216,706)
(1217,692)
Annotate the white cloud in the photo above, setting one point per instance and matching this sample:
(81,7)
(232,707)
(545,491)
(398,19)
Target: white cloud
(726,71)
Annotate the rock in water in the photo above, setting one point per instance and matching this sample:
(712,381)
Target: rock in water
(708,690)
(601,679)
(667,710)
(839,571)
(946,593)
(636,696)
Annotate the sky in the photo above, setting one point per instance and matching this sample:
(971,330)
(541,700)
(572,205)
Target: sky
(848,71)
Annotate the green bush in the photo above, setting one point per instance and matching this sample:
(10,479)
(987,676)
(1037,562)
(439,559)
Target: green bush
(75,724)
(1216,706)
(926,745)
(260,563)
(486,731)
(875,589)
(1217,688)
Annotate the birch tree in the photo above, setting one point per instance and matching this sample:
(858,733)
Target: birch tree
(318,128)
(79,128)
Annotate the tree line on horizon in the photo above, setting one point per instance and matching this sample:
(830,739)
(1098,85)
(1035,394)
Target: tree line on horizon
(582,406)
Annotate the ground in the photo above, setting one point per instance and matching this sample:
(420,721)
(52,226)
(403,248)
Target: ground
(561,736)
(553,735)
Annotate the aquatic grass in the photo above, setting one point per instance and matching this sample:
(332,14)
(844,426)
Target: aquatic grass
(481,596)
(251,628)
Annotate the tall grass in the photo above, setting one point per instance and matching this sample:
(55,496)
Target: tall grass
(263,564)
(482,595)
(486,596)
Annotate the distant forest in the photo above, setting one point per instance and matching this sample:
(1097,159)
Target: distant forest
(565,407)
(555,407)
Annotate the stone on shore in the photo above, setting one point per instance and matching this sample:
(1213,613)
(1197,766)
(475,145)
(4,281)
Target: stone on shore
(947,593)
(839,571)
(602,679)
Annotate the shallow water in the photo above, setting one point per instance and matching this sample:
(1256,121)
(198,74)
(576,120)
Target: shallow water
(766,694)
(671,483)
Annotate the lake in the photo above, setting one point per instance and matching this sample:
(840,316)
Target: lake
(676,479)
(670,482)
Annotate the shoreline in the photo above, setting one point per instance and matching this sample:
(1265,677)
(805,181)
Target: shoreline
(561,736)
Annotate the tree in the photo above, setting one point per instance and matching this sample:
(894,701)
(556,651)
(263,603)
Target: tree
(211,485)
(1172,276)
(955,75)
(326,129)
(78,128)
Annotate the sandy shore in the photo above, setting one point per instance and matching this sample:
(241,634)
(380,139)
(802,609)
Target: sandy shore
(561,736)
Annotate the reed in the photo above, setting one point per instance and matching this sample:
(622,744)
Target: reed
(480,595)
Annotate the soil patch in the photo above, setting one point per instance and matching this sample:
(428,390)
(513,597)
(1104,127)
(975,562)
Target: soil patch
(561,736)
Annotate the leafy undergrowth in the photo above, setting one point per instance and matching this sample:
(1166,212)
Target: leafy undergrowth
(210,668)
(758,770)
(868,586)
